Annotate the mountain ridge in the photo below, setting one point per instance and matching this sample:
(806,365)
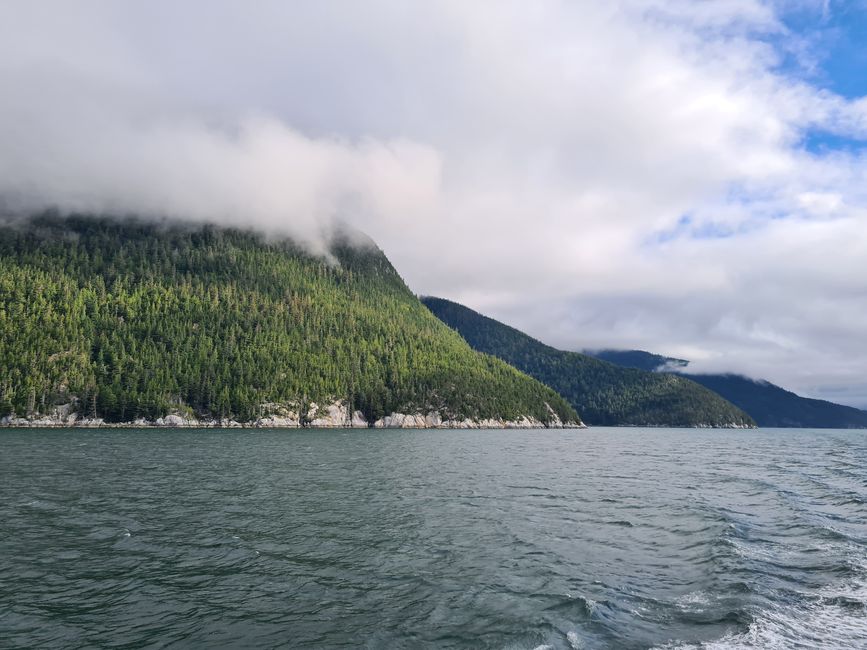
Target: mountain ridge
(126,321)
(769,405)
(604,393)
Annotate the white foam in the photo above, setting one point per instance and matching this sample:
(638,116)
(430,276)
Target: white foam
(693,601)
(835,618)
(574,640)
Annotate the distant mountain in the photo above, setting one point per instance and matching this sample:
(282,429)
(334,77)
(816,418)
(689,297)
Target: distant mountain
(768,404)
(604,393)
(638,359)
(124,320)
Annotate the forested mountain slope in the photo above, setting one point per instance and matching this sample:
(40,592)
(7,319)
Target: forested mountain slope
(768,404)
(638,359)
(128,319)
(604,394)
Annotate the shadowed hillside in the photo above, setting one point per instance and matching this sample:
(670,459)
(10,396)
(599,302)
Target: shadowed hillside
(768,404)
(604,393)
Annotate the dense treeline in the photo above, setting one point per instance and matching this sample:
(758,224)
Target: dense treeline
(604,394)
(134,319)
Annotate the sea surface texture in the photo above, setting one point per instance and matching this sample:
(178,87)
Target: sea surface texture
(601,538)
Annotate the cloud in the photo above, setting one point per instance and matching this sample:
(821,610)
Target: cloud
(81,145)
(628,174)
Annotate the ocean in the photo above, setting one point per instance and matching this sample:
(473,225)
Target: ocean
(531,540)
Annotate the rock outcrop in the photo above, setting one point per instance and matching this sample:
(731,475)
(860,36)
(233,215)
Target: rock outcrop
(335,416)
(433,420)
(330,416)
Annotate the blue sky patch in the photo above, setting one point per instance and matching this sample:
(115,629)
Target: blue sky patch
(836,45)
(821,142)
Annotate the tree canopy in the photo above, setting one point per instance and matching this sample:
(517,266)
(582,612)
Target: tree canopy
(604,394)
(136,319)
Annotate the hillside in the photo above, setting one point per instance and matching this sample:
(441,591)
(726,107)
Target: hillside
(768,404)
(638,359)
(604,393)
(125,320)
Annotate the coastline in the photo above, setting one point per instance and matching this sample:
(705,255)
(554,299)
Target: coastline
(21,423)
(332,416)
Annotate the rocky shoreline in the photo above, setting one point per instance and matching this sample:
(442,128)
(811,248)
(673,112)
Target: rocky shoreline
(700,425)
(332,416)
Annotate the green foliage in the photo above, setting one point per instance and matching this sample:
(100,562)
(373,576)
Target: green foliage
(604,394)
(135,319)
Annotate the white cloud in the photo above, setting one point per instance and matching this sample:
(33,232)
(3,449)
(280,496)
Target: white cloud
(602,174)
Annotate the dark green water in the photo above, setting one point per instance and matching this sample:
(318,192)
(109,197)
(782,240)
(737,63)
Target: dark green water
(605,538)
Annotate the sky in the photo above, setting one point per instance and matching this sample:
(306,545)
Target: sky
(682,177)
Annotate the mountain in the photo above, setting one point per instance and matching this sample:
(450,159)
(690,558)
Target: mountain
(768,404)
(604,393)
(124,319)
(638,359)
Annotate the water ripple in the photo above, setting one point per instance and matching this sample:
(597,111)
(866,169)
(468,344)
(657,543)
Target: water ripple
(603,538)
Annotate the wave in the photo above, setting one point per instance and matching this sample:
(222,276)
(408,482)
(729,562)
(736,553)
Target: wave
(833,618)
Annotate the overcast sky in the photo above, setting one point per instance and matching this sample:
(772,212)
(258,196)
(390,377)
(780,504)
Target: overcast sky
(682,177)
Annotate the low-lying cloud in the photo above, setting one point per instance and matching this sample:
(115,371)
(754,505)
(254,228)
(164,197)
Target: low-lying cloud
(91,154)
(629,174)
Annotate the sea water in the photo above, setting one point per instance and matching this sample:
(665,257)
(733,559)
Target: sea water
(598,538)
